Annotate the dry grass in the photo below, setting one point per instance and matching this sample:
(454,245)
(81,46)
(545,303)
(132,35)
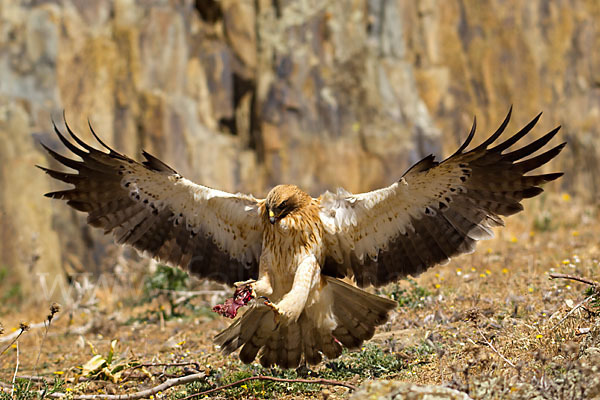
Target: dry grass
(486,324)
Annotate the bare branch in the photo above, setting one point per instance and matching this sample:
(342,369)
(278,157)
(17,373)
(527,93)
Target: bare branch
(274,379)
(16,334)
(573,310)
(13,337)
(491,346)
(575,278)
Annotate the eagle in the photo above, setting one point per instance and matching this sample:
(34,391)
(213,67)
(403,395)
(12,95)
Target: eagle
(305,261)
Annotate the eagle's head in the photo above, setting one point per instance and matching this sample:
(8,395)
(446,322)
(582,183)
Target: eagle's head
(284,200)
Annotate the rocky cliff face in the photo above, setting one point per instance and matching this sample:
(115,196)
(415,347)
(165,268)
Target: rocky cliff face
(242,95)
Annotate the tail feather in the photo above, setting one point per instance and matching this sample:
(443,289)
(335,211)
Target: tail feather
(330,346)
(354,312)
(249,331)
(358,313)
(309,341)
(291,351)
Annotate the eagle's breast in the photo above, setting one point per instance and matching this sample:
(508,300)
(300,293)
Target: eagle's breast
(288,242)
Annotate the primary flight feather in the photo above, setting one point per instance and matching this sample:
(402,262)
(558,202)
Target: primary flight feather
(293,249)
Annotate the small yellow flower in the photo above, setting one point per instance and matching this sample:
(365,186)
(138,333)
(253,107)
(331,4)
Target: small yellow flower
(530,290)
(244,386)
(566,261)
(531,233)
(473,270)
(539,336)
(59,372)
(482,275)
(489,250)
(437,275)
(575,233)
(488,272)
(181,343)
(437,285)
(566,197)
(568,286)
(513,239)
(505,270)
(68,390)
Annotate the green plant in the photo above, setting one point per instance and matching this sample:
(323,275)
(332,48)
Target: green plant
(104,367)
(594,293)
(370,362)
(23,390)
(412,297)
(10,292)
(165,282)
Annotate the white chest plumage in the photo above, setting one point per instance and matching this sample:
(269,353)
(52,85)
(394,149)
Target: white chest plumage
(286,244)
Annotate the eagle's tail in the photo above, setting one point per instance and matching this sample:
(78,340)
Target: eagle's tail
(356,314)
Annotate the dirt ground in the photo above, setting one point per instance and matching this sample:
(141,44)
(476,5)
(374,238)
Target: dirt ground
(491,324)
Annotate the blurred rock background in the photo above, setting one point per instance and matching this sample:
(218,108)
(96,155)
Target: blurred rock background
(244,94)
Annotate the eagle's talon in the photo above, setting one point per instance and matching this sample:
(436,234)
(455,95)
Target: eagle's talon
(244,283)
(275,309)
(244,286)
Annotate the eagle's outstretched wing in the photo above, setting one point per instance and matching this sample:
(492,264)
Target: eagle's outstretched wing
(214,234)
(435,211)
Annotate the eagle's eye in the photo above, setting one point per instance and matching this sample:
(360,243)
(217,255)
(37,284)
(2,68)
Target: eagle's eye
(282,205)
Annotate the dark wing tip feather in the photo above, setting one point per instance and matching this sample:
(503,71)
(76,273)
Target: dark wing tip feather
(553,176)
(75,138)
(532,192)
(532,147)
(423,165)
(468,139)
(517,136)
(55,195)
(498,132)
(67,143)
(156,164)
(62,159)
(107,147)
(62,176)
(538,161)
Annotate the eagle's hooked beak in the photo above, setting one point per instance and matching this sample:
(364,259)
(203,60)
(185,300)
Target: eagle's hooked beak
(272,218)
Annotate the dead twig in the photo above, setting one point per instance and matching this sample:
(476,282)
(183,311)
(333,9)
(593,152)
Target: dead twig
(14,379)
(573,310)
(596,290)
(575,278)
(16,334)
(54,308)
(13,337)
(274,379)
(491,346)
(174,364)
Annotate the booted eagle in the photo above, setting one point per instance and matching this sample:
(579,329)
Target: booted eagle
(293,250)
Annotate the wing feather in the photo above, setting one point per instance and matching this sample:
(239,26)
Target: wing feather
(435,211)
(149,206)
